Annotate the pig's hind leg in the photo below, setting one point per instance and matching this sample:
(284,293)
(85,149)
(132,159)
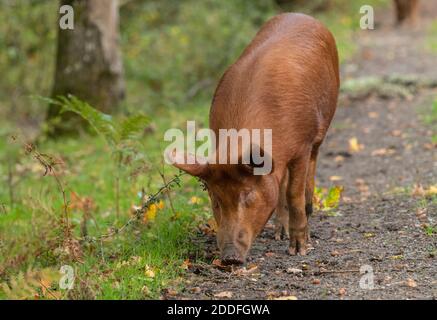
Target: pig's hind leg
(298,222)
(310,184)
(282,212)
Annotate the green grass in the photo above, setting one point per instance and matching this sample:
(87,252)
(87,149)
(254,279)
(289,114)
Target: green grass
(430,117)
(163,244)
(431,40)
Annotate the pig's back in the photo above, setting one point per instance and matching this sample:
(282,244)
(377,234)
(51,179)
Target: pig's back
(286,79)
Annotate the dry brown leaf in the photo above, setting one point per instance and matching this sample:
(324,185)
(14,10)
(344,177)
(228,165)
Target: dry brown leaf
(383,152)
(294,270)
(411,283)
(335,253)
(335,178)
(286,298)
(223,294)
(396,133)
(186,264)
(354,146)
(339,159)
(195,290)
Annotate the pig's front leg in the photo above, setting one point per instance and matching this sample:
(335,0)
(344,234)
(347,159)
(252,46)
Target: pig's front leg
(298,222)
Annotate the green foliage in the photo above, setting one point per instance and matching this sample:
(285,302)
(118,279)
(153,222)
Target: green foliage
(431,116)
(431,42)
(32,284)
(27,46)
(176,50)
(327,199)
(114,133)
(120,136)
(431,230)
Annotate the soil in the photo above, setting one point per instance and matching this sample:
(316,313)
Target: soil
(378,225)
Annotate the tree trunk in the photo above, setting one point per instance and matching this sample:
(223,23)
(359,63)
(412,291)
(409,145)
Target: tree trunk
(88,61)
(406,11)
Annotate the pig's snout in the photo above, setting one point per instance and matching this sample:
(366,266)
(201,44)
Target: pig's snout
(230,255)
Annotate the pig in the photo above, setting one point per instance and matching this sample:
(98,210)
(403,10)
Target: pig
(286,80)
(406,11)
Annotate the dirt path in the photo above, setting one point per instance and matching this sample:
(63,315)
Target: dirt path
(377,227)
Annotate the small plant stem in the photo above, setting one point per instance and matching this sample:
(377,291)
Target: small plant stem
(167,193)
(65,204)
(10,184)
(117,185)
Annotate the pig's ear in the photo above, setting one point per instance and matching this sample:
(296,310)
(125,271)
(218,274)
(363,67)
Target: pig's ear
(195,166)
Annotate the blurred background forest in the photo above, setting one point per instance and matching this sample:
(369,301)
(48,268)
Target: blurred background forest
(173,54)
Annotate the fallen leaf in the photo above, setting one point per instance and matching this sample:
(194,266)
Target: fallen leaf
(294,270)
(397,257)
(339,159)
(217,263)
(383,152)
(186,264)
(411,283)
(170,292)
(335,253)
(149,272)
(223,294)
(396,133)
(335,178)
(247,270)
(195,290)
(286,298)
(354,146)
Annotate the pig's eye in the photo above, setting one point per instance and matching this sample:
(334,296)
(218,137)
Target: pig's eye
(215,204)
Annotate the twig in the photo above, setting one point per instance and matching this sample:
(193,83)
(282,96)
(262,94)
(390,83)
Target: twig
(117,185)
(336,271)
(168,191)
(48,290)
(139,212)
(10,184)
(49,163)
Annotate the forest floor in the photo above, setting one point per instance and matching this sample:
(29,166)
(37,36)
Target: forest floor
(382,151)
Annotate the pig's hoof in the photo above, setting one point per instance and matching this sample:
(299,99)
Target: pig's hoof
(281,234)
(298,244)
(297,251)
